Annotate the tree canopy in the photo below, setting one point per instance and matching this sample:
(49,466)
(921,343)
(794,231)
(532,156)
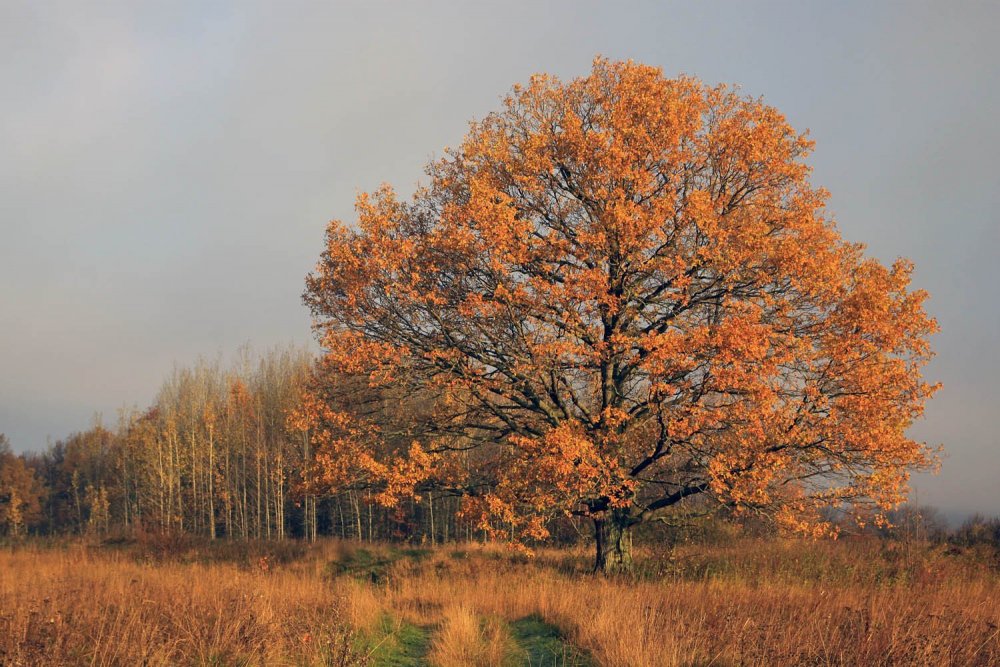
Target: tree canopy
(620,292)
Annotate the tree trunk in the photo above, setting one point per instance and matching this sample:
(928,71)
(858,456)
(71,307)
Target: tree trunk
(614,543)
(211,482)
(430,508)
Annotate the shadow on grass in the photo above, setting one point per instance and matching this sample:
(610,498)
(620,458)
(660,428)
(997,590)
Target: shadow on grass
(372,565)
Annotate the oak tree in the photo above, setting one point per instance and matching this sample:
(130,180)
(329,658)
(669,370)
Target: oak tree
(619,293)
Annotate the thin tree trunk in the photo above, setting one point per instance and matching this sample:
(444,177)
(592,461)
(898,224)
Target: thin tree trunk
(343,522)
(430,506)
(211,482)
(162,477)
(279,498)
(194,486)
(447,520)
(371,528)
(357,515)
(258,531)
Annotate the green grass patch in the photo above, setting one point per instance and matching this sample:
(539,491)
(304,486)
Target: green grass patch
(545,646)
(395,643)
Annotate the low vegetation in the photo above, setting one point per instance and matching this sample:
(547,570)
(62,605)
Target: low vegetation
(745,600)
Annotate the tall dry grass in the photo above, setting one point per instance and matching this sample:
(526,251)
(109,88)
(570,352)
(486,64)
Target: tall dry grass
(748,602)
(465,638)
(81,606)
(775,603)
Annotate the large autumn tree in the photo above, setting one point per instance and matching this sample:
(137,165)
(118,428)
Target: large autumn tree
(618,293)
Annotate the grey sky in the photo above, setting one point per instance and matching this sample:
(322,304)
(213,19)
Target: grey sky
(166,171)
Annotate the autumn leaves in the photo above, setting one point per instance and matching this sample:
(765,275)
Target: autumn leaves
(618,291)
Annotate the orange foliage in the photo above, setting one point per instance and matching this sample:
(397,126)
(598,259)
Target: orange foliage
(619,292)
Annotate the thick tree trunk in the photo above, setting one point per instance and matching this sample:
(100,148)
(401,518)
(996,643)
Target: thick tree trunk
(614,543)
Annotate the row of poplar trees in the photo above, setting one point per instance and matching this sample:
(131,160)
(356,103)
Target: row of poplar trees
(214,456)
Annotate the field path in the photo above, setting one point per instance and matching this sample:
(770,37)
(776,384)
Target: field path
(544,645)
(539,644)
(401,644)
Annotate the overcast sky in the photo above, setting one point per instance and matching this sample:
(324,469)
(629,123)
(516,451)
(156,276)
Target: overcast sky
(167,170)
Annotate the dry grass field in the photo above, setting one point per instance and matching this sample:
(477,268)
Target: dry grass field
(745,602)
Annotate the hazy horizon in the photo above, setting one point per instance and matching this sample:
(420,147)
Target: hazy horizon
(167,172)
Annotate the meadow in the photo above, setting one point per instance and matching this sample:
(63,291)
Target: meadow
(741,601)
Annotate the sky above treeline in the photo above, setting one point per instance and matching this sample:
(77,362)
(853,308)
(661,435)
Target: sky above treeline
(167,169)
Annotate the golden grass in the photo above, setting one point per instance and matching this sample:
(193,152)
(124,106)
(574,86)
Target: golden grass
(778,603)
(466,640)
(80,607)
(363,609)
(752,602)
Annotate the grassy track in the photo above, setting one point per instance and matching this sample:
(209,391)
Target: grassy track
(396,643)
(544,645)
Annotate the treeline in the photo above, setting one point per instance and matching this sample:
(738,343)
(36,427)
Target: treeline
(214,456)
(922,522)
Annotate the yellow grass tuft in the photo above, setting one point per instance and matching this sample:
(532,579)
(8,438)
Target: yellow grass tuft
(467,640)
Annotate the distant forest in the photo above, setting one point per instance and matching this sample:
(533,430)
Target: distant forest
(214,456)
